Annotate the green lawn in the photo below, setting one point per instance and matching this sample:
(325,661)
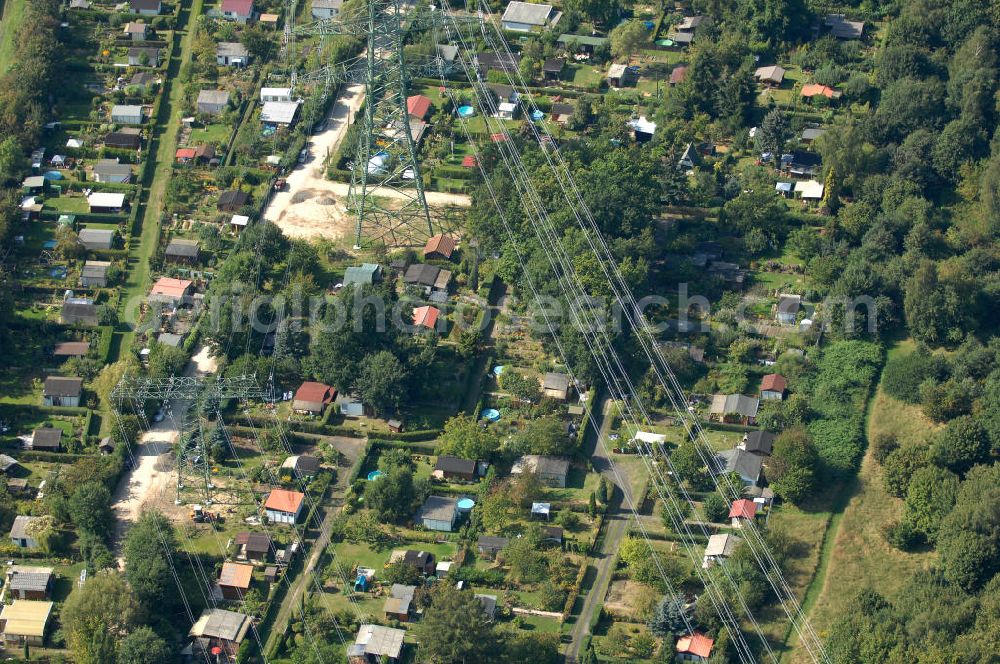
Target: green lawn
(68,204)
(165,138)
(213,133)
(579,484)
(585,75)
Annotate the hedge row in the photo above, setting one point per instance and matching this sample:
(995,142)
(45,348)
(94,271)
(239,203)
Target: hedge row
(84,217)
(415,447)
(51,410)
(412,436)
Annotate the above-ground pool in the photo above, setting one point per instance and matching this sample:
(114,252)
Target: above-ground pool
(537,115)
(491,414)
(497,370)
(374,475)
(53,175)
(58,272)
(466,111)
(466,504)
(664,42)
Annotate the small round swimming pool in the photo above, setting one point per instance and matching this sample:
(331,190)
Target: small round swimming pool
(466,504)
(374,475)
(491,414)
(497,370)
(466,111)
(537,115)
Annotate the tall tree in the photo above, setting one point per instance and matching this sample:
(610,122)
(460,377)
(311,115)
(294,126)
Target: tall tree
(792,471)
(391,496)
(669,618)
(628,38)
(382,381)
(144,646)
(90,508)
(454,629)
(149,548)
(464,437)
(97,615)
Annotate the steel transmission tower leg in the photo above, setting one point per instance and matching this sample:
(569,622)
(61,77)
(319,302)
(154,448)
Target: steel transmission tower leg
(387,192)
(193,465)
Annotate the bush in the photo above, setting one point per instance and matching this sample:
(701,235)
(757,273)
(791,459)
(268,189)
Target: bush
(883,445)
(715,508)
(903,536)
(904,374)
(840,443)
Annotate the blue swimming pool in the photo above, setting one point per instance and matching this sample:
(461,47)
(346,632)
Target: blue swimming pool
(491,414)
(466,111)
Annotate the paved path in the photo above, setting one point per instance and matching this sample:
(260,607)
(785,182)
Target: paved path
(615,527)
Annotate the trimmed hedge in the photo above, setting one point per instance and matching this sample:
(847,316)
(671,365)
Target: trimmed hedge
(412,436)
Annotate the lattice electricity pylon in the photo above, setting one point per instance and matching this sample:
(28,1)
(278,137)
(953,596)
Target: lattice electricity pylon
(190,399)
(387,192)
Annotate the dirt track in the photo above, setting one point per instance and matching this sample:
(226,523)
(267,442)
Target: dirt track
(312,206)
(151,484)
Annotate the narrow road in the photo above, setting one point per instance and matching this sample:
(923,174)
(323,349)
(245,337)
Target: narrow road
(331,507)
(615,527)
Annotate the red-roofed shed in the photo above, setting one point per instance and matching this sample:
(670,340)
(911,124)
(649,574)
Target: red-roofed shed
(313,397)
(418,106)
(695,648)
(773,386)
(440,247)
(284,506)
(426,317)
(741,510)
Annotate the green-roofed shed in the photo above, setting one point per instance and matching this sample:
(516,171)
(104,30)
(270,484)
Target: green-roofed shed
(366,273)
(583,42)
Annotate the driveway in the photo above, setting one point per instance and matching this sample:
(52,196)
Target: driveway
(308,208)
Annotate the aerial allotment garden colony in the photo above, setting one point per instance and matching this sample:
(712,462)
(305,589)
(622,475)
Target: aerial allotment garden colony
(574,332)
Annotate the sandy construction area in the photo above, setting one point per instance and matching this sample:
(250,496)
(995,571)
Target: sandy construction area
(152,482)
(312,206)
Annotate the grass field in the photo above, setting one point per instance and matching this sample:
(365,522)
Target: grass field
(13,14)
(857,555)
